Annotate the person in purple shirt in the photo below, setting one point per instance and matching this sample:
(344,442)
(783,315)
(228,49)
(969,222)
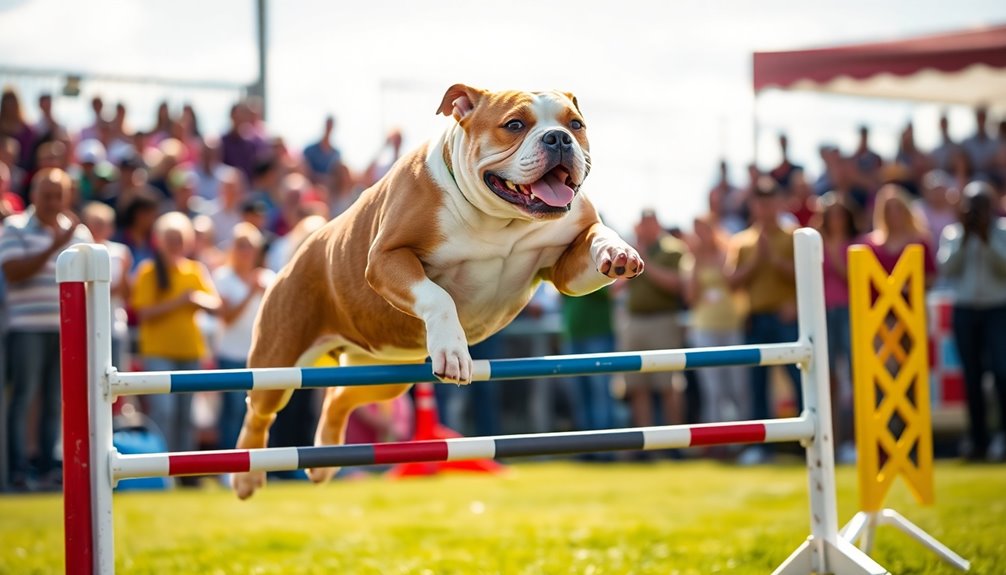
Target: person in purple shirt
(239,147)
(13,125)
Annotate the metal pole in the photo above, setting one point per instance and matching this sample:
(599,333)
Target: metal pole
(259,88)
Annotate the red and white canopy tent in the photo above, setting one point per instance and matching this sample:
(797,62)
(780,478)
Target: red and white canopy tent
(966,67)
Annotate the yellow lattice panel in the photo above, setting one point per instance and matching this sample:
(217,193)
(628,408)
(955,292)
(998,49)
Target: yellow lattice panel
(890,375)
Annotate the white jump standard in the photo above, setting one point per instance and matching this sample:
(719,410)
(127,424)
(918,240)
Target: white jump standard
(93,465)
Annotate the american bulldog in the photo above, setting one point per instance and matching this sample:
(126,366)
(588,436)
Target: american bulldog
(442,252)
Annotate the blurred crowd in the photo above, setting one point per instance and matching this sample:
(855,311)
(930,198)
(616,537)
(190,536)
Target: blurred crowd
(197,225)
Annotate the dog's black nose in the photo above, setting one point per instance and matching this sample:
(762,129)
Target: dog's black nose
(558,140)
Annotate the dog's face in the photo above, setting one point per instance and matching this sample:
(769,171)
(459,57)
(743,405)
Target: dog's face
(517,155)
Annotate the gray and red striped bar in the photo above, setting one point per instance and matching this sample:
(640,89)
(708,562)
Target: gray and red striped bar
(461,449)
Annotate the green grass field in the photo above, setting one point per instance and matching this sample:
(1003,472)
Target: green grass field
(683,518)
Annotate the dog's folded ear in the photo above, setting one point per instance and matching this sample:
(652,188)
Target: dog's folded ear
(573,99)
(460,100)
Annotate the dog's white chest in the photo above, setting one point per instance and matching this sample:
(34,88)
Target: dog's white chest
(491,274)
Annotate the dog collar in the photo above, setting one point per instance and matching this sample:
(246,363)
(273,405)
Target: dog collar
(447,161)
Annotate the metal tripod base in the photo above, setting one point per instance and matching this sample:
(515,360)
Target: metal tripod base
(841,558)
(863,527)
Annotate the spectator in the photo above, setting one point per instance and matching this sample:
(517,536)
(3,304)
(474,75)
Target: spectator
(942,153)
(118,131)
(653,304)
(205,249)
(169,290)
(800,201)
(255,212)
(136,225)
(587,327)
(186,130)
(855,189)
(341,189)
(785,169)
(130,183)
(726,203)
(10,152)
(382,421)
(716,321)
(866,160)
(209,170)
(293,193)
(47,124)
(896,226)
(28,249)
(938,201)
(760,265)
(239,148)
(320,155)
(13,125)
(914,161)
(182,185)
(837,223)
(10,203)
(240,283)
(100,221)
(981,148)
(265,188)
(961,168)
(225,210)
(830,158)
(384,159)
(51,154)
(98,130)
(89,184)
(163,160)
(972,255)
(162,129)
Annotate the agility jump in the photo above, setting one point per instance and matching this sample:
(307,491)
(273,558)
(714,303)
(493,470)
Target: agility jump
(91,383)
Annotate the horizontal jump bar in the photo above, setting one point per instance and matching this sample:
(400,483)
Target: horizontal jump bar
(140,383)
(460,449)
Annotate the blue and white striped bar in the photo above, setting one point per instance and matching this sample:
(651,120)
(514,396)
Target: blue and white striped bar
(140,383)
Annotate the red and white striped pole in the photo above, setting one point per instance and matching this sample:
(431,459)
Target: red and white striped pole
(77,518)
(82,273)
(428,428)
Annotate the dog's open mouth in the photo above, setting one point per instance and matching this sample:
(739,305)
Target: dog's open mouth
(552,193)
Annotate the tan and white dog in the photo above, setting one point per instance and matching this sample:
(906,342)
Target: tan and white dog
(442,252)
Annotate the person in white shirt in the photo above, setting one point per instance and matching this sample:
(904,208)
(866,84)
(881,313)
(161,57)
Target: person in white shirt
(981,147)
(226,210)
(100,221)
(240,283)
(28,249)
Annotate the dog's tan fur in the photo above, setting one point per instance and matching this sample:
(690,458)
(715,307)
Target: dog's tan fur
(352,289)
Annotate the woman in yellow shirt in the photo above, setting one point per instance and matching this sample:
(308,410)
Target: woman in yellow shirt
(170,289)
(716,321)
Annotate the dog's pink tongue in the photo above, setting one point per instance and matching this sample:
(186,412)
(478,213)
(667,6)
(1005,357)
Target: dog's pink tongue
(552,191)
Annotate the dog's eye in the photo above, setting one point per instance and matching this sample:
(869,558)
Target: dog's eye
(576,124)
(514,125)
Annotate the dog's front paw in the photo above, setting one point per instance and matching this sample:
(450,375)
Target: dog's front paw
(448,349)
(619,261)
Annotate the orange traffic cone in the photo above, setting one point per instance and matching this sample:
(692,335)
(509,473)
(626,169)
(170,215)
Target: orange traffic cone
(428,427)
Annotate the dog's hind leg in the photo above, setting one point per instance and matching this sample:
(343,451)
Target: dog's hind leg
(298,348)
(339,404)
